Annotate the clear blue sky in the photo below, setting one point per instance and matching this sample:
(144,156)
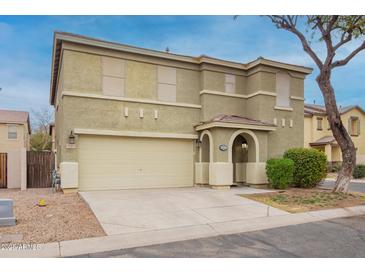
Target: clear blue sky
(26,49)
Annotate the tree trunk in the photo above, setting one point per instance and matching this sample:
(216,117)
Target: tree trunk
(339,132)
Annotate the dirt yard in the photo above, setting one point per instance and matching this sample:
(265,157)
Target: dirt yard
(65,217)
(300,200)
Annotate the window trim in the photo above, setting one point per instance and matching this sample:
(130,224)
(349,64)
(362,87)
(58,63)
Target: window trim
(16,132)
(321,124)
(230,79)
(288,77)
(161,82)
(105,75)
(356,120)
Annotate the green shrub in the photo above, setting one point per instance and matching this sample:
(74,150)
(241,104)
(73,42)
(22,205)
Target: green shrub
(279,173)
(359,172)
(310,166)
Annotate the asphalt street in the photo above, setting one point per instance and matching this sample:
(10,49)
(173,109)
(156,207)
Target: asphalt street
(343,237)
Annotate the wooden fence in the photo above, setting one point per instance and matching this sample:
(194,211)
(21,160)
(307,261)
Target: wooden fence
(3,170)
(39,167)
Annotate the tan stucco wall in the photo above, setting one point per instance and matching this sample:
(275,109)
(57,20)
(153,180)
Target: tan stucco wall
(109,115)
(21,142)
(82,73)
(141,80)
(222,136)
(311,133)
(16,155)
(216,104)
(359,141)
(212,80)
(188,86)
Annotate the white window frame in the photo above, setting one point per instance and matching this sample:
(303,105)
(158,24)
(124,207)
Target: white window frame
(230,81)
(113,76)
(283,89)
(16,132)
(166,84)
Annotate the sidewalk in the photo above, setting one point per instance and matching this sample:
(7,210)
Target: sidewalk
(128,240)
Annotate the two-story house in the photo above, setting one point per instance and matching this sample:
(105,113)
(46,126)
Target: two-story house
(317,132)
(128,117)
(14,142)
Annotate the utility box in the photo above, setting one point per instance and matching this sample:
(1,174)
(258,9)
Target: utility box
(7,217)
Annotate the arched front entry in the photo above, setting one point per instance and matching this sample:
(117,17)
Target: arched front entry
(206,147)
(243,150)
(205,158)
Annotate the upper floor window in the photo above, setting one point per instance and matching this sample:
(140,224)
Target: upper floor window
(166,86)
(230,83)
(282,89)
(113,71)
(354,126)
(12,132)
(319,123)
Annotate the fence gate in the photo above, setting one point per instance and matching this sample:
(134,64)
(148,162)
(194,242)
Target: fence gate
(3,170)
(39,167)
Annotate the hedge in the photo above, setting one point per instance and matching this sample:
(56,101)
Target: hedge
(359,172)
(279,173)
(310,166)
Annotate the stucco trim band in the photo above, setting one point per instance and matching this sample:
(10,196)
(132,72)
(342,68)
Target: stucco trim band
(244,96)
(297,98)
(145,134)
(132,100)
(283,108)
(234,125)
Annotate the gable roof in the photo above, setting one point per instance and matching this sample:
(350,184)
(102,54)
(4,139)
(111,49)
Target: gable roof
(324,141)
(224,118)
(235,121)
(14,117)
(319,110)
(59,37)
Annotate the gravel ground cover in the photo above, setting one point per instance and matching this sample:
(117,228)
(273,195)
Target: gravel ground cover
(65,217)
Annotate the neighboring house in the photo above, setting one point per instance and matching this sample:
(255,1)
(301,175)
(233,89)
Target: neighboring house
(130,117)
(317,132)
(14,142)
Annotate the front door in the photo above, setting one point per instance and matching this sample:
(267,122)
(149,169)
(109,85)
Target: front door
(3,170)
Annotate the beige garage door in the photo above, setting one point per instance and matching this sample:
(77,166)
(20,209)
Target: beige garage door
(126,162)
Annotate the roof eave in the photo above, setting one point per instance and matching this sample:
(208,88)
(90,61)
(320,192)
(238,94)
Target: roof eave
(234,125)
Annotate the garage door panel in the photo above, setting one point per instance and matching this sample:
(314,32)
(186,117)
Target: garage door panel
(123,162)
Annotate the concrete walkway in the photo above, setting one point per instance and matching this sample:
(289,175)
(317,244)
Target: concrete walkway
(200,219)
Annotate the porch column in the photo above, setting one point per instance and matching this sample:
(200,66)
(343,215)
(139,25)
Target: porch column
(328,151)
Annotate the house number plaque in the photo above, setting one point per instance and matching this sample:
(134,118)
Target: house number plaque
(223,147)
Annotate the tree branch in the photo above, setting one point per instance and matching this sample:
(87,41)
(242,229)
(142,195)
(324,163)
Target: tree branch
(286,22)
(349,57)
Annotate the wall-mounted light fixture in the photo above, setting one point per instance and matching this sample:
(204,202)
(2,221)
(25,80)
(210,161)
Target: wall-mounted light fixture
(245,146)
(71,138)
(198,143)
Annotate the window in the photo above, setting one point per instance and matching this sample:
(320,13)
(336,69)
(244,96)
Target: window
(354,126)
(113,76)
(319,123)
(282,89)
(12,132)
(166,89)
(230,83)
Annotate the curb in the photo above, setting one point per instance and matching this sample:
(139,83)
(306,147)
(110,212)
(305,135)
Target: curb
(137,239)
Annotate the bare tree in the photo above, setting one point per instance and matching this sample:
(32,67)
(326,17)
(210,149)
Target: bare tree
(41,120)
(334,31)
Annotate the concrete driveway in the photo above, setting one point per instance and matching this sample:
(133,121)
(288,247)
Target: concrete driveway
(129,211)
